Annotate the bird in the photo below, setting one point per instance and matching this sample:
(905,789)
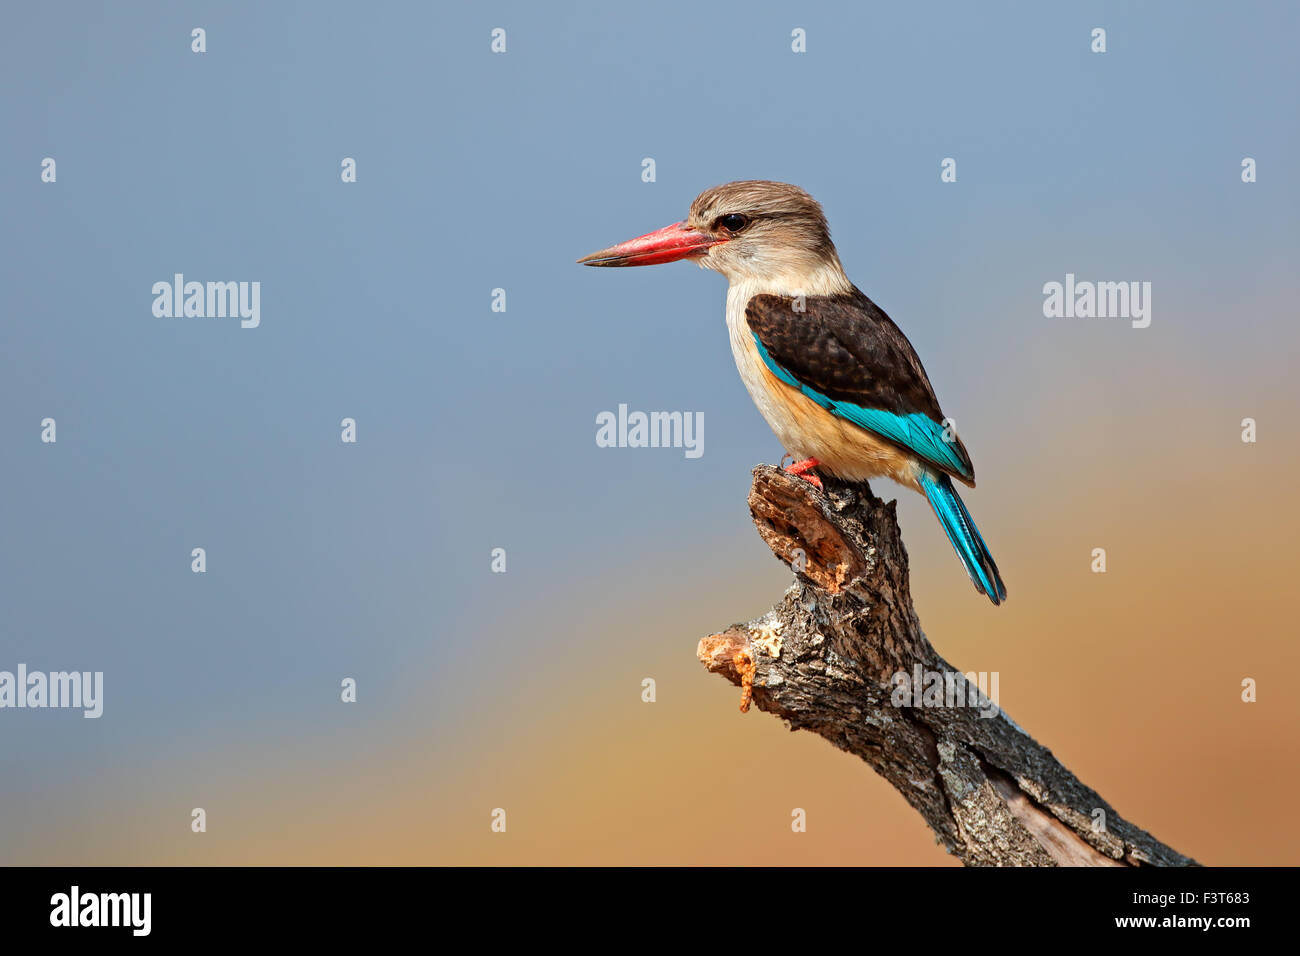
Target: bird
(838,382)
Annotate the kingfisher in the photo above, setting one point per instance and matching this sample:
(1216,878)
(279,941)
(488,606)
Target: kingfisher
(835,378)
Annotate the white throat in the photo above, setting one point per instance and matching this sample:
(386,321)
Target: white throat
(828,278)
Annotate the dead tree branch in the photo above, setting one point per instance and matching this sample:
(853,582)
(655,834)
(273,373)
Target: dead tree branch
(827,657)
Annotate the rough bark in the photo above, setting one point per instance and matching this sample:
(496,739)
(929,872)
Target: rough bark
(826,659)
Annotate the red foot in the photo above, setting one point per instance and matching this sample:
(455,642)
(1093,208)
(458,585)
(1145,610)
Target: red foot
(801,468)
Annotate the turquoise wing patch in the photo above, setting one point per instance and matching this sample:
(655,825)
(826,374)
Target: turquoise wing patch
(915,431)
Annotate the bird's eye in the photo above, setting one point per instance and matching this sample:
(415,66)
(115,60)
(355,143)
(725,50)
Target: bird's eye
(733,222)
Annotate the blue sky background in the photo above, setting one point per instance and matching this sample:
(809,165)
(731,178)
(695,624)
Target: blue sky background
(476,429)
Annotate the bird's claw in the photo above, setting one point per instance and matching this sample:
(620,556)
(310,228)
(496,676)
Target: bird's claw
(801,469)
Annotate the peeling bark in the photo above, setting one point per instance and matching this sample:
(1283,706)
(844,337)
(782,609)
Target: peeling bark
(825,659)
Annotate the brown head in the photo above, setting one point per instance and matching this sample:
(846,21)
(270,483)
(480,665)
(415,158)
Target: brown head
(757,231)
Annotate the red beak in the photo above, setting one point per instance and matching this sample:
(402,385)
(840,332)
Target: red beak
(664,245)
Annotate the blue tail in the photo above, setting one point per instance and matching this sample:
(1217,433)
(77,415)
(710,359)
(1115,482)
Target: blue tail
(963,534)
